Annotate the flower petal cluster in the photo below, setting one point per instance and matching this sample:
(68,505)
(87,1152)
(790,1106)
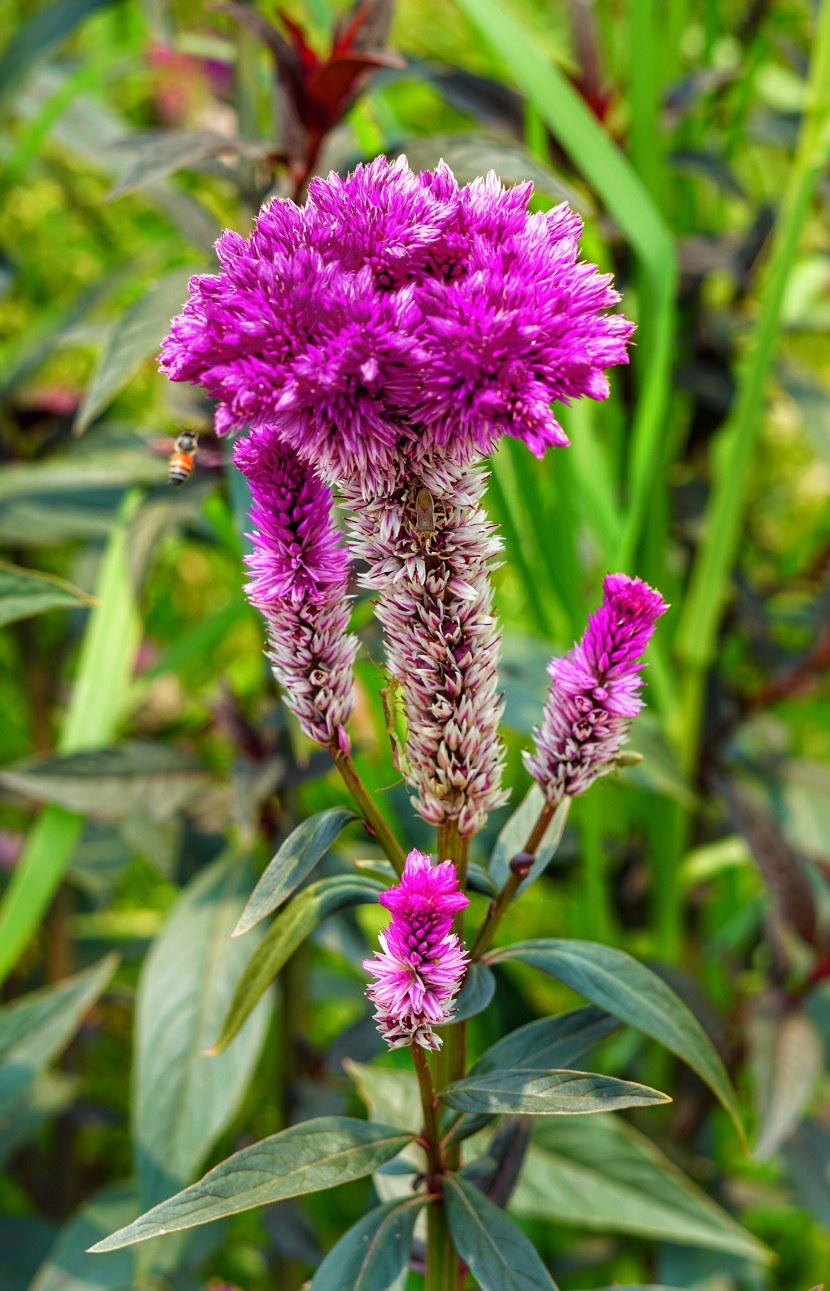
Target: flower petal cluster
(421,963)
(397,312)
(429,553)
(595,691)
(299,580)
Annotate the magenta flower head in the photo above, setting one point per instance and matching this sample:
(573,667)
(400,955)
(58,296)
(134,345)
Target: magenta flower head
(299,582)
(595,691)
(421,963)
(397,316)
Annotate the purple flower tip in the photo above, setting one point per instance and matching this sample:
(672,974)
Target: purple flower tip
(421,963)
(595,690)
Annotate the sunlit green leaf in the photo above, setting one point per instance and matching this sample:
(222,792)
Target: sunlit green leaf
(36,39)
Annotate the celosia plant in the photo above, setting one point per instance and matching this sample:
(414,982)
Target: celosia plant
(379,342)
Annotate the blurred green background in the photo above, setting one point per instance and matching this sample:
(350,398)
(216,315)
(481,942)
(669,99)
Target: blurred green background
(144,757)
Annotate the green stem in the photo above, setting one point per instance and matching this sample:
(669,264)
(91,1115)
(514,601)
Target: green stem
(372,817)
(495,913)
(438,1239)
(709,584)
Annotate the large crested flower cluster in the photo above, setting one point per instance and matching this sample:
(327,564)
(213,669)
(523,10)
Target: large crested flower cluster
(399,315)
(299,581)
(421,963)
(595,691)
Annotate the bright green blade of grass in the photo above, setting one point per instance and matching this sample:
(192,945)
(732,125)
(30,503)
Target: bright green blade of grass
(597,157)
(105,666)
(732,462)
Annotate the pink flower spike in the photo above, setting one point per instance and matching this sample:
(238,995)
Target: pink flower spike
(421,963)
(595,691)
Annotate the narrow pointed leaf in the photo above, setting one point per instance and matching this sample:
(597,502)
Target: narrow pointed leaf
(183,1099)
(529,1092)
(550,1042)
(25,592)
(135,778)
(492,1246)
(289,930)
(37,1027)
(616,982)
(308,1157)
(374,1254)
(294,861)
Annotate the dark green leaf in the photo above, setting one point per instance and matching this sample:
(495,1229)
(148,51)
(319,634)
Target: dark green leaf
(492,1246)
(24,592)
(152,779)
(614,981)
(184,1100)
(37,38)
(527,1091)
(516,832)
(600,1174)
(156,153)
(372,1255)
(23,1239)
(70,1267)
(309,1157)
(476,993)
(136,337)
(34,1029)
(289,930)
(550,1042)
(295,859)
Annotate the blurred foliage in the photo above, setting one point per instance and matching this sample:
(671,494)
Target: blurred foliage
(144,752)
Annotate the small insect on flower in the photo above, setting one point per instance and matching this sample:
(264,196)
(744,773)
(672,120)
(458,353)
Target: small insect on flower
(424,513)
(183,457)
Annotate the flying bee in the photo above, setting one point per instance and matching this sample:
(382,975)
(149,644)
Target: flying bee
(183,457)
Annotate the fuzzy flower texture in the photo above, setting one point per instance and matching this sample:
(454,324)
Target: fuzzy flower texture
(595,691)
(421,963)
(398,316)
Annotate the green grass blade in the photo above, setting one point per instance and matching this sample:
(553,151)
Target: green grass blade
(597,157)
(104,668)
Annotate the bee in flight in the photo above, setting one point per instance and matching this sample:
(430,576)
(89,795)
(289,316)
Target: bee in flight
(183,457)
